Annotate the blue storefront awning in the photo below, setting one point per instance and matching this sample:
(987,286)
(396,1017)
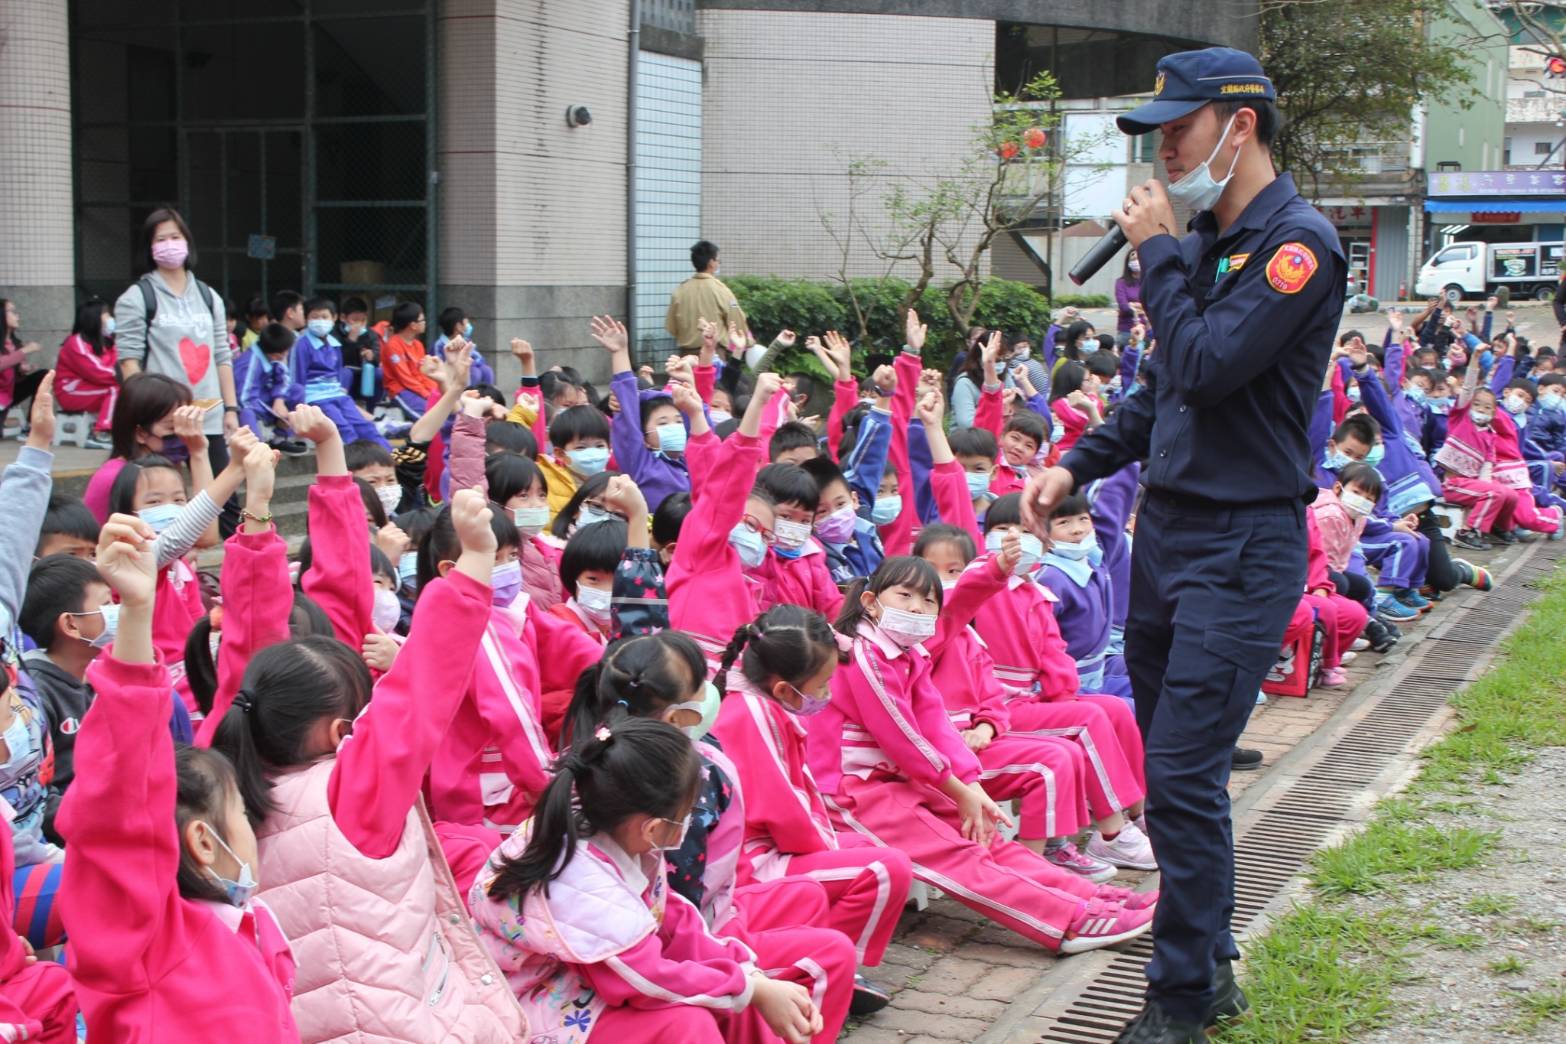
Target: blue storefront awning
(1491,205)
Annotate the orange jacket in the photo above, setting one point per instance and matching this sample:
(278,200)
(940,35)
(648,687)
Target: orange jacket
(400,365)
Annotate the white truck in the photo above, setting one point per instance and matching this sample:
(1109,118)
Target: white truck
(1476,270)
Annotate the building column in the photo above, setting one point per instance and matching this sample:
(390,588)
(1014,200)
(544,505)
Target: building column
(37,266)
(532,211)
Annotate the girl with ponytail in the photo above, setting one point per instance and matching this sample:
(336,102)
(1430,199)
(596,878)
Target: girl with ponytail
(575,909)
(777,673)
(895,771)
(348,857)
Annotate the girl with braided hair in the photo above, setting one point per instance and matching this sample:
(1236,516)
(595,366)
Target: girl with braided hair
(575,908)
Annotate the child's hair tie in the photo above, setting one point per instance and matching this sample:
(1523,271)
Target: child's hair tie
(603,734)
(622,703)
(244,701)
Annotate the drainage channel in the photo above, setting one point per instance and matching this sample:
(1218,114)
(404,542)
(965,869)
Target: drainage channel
(1318,793)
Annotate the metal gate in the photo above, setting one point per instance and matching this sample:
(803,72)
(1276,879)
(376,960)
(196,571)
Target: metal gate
(245,190)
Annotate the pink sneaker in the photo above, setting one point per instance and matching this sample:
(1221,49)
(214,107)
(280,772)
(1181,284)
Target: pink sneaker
(1332,677)
(1128,898)
(1099,924)
(1072,859)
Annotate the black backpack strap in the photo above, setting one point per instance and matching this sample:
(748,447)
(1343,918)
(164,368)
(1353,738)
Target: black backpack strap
(149,298)
(206,296)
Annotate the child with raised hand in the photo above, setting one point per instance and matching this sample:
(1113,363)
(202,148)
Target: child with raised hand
(1045,775)
(638,963)
(777,674)
(895,771)
(333,780)
(167,941)
(725,534)
(1031,660)
(153,489)
(649,435)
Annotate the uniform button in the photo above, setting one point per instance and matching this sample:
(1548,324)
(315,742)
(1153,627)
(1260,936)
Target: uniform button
(455,919)
(486,979)
(1163,453)
(1182,409)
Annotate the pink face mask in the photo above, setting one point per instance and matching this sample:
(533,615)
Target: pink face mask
(170,253)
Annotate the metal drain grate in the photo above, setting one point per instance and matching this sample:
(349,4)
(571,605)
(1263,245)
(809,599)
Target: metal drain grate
(1273,847)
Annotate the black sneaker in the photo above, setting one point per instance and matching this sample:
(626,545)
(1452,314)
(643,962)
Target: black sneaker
(869,998)
(1472,539)
(1246,760)
(1152,1026)
(1382,636)
(1228,999)
(290,447)
(1508,537)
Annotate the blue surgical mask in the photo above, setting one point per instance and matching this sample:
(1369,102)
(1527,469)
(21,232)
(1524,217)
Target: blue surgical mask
(505,582)
(238,892)
(160,516)
(1377,452)
(886,510)
(1353,393)
(531,521)
(467,329)
(748,544)
(978,484)
(1077,551)
(592,514)
(1415,393)
(1439,404)
(671,437)
(108,326)
(1336,460)
(408,567)
(589,461)
(321,328)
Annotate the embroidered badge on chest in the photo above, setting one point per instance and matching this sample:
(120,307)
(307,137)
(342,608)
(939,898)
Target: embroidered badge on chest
(1291,268)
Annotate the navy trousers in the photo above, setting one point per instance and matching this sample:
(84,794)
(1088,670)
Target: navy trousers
(1212,591)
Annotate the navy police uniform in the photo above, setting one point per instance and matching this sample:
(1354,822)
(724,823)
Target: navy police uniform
(1245,317)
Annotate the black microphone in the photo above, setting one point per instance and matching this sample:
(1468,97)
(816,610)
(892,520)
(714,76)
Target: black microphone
(1113,242)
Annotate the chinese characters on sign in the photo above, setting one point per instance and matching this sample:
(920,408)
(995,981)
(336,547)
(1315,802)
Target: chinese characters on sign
(1498,183)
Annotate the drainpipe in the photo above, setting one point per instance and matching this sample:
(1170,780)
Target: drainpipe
(633,60)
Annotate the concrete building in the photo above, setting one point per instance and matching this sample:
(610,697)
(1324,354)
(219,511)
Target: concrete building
(534,161)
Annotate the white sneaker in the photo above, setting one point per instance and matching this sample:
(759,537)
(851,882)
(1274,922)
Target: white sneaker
(1130,849)
(1347,658)
(1359,645)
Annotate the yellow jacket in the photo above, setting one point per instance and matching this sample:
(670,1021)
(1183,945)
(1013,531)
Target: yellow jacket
(701,296)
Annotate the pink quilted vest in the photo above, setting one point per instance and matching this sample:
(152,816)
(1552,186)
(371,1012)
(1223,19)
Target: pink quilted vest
(385,949)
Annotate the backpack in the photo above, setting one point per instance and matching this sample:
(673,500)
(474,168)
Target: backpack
(149,298)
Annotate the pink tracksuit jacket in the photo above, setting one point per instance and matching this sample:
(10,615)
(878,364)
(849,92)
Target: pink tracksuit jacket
(149,964)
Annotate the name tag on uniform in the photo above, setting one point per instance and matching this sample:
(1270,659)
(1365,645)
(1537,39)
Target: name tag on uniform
(1232,263)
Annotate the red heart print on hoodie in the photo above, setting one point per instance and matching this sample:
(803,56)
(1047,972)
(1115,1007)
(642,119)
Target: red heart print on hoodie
(197,359)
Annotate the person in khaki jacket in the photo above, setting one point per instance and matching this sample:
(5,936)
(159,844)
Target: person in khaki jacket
(702,296)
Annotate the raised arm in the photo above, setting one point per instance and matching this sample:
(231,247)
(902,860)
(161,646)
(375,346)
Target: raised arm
(381,764)
(339,577)
(24,490)
(948,481)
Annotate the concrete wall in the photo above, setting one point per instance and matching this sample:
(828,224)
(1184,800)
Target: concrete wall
(791,98)
(37,266)
(532,212)
(1471,136)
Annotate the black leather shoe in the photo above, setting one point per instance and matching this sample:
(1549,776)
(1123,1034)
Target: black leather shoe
(1152,1026)
(1246,760)
(868,998)
(1228,999)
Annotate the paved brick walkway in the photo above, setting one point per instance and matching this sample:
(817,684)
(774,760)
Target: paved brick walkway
(954,974)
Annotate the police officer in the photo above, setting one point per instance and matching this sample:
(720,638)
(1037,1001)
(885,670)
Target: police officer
(1246,306)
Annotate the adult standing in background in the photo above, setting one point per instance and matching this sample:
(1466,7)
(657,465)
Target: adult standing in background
(1128,298)
(18,377)
(170,322)
(702,296)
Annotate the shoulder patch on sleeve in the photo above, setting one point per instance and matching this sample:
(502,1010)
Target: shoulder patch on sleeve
(1291,268)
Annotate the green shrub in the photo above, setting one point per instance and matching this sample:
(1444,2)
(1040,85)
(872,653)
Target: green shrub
(1081,301)
(772,304)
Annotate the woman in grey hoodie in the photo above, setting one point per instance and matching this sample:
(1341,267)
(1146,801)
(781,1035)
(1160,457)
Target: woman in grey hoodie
(187,337)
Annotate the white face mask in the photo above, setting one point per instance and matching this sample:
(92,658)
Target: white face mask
(1197,189)
(791,536)
(594,603)
(684,825)
(531,521)
(111,623)
(1356,505)
(390,497)
(905,628)
(386,611)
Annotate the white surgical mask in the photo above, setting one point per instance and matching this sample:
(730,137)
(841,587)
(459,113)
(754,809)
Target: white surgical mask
(707,707)
(791,536)
(1516,404)
(408,567)
(1483,417)
(905,628)
(1355,504)
(684,825)
(1075,551)
(389,496)
(320,327)
(1197,189)
(386,611)
(240,890)
(111,623)
(594,603)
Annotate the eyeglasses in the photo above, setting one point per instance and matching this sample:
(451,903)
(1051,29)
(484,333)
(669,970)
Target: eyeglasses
(767,536)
